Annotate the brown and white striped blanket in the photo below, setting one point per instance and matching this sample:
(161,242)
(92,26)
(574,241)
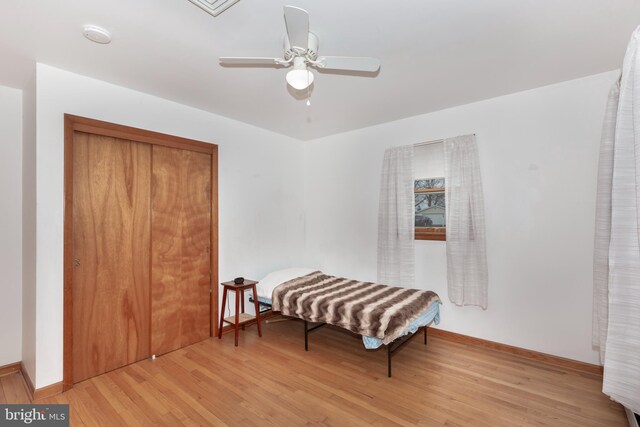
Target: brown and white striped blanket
(365,308)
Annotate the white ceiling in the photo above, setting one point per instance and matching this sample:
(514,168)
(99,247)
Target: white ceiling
(435,53)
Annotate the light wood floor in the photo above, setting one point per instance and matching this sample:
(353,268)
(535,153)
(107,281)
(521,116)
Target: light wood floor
(272,381)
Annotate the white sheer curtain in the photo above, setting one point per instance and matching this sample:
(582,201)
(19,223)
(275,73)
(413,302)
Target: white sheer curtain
(622,339)
(467,275)
(603,224)
(396,226)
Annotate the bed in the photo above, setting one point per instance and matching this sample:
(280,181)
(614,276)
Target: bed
(382,315)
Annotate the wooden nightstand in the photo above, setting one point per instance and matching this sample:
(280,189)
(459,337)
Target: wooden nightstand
(240,318)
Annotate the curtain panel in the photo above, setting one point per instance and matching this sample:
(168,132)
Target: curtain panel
(603,224)
(396,224)
(467,273)
(622,340)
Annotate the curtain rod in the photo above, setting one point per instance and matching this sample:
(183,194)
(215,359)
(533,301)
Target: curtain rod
(435,141)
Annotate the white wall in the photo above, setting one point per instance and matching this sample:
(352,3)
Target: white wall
(29,227)
(260,189)
(10,225)
(538,153)
(283,203)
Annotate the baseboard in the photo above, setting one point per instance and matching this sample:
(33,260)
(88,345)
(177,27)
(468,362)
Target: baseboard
(48,391)
(42,392)
(27,380)
(529,354)
(10,368)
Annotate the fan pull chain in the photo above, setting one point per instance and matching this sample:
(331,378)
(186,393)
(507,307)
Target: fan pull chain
(308,90)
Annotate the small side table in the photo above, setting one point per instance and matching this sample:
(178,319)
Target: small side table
(240,318)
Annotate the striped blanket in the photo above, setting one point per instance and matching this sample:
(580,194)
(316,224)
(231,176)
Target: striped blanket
(365,308)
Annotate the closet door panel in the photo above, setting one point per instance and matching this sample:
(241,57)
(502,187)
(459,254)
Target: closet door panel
(196,256)
(181,233)
(111,246)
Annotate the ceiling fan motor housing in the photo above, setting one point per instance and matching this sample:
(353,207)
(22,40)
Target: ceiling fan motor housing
(311,53)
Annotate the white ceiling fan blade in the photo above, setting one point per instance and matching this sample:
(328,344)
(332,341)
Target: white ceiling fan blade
(232,60)
(350,63)
(297,21)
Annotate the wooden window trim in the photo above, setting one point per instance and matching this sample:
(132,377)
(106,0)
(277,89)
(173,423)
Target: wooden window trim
(429,190)
(430,233)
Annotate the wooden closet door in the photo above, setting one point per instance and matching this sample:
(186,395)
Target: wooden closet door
(181,241)
(111,249)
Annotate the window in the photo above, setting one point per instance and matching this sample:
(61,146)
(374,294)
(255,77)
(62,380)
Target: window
(429,191)
(430,212)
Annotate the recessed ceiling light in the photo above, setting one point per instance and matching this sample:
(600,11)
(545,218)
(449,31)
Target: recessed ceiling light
(96,34)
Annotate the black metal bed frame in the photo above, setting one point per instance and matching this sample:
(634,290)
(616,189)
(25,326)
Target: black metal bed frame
(392,347)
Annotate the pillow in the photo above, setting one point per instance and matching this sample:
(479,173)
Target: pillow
(266,286)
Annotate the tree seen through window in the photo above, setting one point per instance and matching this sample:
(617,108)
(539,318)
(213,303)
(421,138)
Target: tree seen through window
(430,206)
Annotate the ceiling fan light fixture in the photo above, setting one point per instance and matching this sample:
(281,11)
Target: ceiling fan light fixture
(299,77)
(301,52)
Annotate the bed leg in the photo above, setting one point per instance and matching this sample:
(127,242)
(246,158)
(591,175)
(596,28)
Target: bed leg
(425,335)
(389,361)
(306,336)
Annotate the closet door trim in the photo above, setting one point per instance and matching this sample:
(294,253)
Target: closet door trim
(74,124)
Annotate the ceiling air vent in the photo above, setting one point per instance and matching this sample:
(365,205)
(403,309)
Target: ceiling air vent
(214,7)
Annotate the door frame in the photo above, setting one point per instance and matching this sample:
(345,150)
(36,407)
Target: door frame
(74,124)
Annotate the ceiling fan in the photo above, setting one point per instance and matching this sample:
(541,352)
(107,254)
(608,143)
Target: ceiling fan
(301,51)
